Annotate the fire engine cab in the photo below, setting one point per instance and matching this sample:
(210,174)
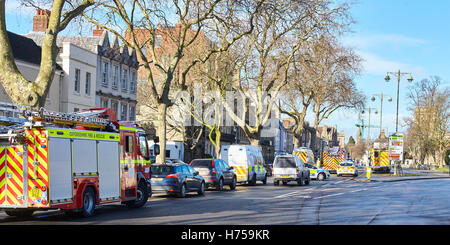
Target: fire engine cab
(70,161)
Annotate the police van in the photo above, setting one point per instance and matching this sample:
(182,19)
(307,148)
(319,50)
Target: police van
(247,162)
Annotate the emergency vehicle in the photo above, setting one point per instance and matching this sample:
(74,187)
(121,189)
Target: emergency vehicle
(379,156)
(305,154)
(332,158)
(70,161)
(247,162)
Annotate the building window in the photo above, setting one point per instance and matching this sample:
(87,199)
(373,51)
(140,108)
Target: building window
(116,77)
(123,112)
(133,82)
(115,106)
(104,103)
(105,73)
(88,84)
(125,79)
(132,113)
(158,40)
(77,80)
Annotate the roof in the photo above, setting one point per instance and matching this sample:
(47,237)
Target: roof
(25,49)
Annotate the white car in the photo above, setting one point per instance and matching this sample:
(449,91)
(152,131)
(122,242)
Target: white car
(347,168)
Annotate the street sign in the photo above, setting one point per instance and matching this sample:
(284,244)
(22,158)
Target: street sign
(396,147)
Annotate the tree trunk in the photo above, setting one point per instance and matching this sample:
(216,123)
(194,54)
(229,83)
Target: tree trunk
(217,145)
(162,124)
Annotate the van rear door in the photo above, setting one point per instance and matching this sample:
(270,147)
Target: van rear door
(285,166)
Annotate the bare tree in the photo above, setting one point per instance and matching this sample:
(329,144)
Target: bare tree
(19,89)
(429,128)
(163,50)
(267,56)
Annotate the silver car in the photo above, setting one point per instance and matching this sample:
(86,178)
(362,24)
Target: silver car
(288,168)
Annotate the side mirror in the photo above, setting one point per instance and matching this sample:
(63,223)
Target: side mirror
(156,149)
(196,173)
(230,168)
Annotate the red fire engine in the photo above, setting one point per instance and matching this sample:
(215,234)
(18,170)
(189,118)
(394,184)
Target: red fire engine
(70,161)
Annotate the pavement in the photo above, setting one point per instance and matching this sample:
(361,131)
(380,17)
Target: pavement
(409,174)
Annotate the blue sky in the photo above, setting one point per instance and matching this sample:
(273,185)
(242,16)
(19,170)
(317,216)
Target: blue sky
(410,35)
(407,35)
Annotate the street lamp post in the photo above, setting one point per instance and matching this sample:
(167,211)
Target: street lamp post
(370,109)
(399,76)
(381,107)
(387,78)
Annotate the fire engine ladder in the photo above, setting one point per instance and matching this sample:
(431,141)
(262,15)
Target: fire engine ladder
(90,119)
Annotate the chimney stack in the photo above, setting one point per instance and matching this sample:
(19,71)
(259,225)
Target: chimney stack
(40,20)
(98,32)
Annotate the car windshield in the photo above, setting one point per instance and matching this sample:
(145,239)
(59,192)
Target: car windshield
(201,163)
(347,164)
(285,162)
(162,170)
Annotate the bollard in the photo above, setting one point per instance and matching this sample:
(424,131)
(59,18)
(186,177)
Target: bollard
(369,173)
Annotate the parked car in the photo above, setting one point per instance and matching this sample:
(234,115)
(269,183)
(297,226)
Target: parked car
(176,178)
(347,168)
(288,168)
(318,173)
(268,167)
(247,162)
(216,173)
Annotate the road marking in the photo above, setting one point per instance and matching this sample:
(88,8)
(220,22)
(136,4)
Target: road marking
(337,194)
(287,194)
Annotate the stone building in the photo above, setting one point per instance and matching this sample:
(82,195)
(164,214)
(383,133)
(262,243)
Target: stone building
(101,72)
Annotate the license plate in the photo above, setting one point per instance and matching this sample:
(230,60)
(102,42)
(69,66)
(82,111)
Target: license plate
(157,179)
(36,193)
(285,176)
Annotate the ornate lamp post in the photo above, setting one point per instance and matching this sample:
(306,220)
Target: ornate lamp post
(399,75)
(376,112)
(381,107)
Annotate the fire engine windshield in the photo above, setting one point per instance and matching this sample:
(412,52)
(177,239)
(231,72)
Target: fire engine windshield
(143,145)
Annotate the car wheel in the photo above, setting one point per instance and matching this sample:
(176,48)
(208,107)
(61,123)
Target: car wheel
(300,181)
(321,177)
(219,187)
(201,191)
(182,192)
(253,182)
(284,182)
(265,180)
(233,184)
(88,202)
(308,180)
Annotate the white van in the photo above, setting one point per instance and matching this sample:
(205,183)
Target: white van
(288,168)
(247,162)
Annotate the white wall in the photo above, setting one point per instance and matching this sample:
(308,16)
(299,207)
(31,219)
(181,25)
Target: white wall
(72,58)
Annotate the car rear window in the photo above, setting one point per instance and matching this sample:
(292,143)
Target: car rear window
(162,170)
(285,162)
(346,164)
(201,163)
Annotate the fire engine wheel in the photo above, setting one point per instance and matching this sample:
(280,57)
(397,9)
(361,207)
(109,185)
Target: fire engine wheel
(141,196)
(20,213)
(88,202)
